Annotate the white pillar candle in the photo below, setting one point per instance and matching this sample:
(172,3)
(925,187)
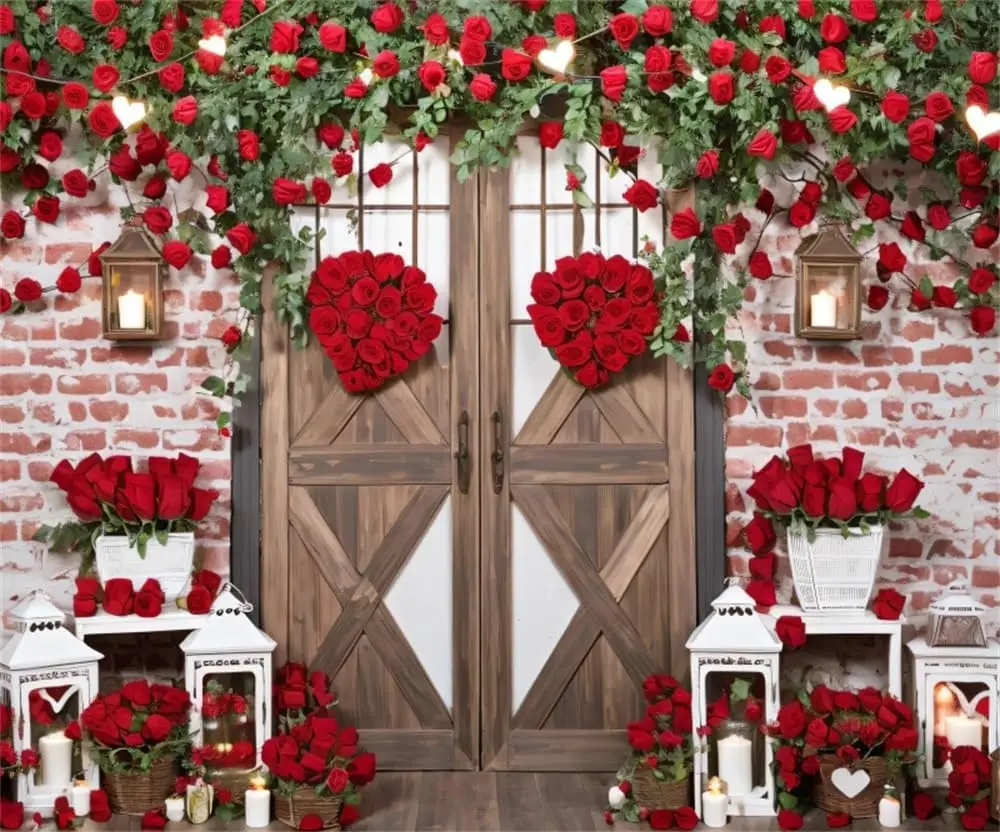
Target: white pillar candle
(80,798)
(963,730)
(736,764)
(131,310)
(175,808)
(889,812)
(257,807)
(714,805)
(823,307)
(56,752)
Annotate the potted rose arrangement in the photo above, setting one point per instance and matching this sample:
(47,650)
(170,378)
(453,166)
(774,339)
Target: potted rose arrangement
(843,748)
(138,525)
(137,735)
(836,520)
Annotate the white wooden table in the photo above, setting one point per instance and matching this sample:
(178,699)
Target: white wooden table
(862,623)
(170,619)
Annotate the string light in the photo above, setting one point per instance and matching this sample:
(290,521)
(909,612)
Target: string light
(216,44)
(128,112)
(831,96)
(556,60)
(983,124)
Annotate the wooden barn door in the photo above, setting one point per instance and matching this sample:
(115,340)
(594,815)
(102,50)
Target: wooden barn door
(370,546)
(588,550)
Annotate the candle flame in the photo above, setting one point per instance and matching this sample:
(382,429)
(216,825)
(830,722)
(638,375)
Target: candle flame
(715,785)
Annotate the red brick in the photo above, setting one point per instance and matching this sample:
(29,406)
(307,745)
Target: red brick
(963,389)
(11,414)
(10,357)
(74,253)
(975,439)
(855,409)
(950,354)
(87,329)
(776,323)
(198,357)
(905,547)
(8,532)
(22,444)
(28,501)
(867,436)
(77,411)
(740,435)
(122,355)
(212,302)
(919,382)
(779,349)
(10,469)
(132,383)
(43,412)
(825,407)
(783,407)
(915,437)
(109,411)
(876,356)
(767,381)
(204,409)
(867,382)
(193,440)
(18,384)
(918,331)
(892,409)
(161,411)
(39,471)
(84,385)
(818,433)
(836,354)
(86,440)
(172,359)
(128,438)
(807,379)
(985,578)
(36,330)
(57,357)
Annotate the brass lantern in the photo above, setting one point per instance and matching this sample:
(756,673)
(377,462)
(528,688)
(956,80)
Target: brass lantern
(828,303)
(132,300)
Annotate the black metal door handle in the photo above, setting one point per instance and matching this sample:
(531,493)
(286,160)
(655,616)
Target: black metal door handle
(497,457)
(462,459)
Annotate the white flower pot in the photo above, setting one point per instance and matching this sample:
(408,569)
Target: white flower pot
(834,573)
(170,564)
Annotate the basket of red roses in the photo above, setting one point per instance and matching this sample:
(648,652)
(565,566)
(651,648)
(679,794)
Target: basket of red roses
(836,520)
(846,745)
(136,525)
(137,734)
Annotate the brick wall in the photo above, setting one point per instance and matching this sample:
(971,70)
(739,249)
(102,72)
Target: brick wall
(65,391)
(920,391)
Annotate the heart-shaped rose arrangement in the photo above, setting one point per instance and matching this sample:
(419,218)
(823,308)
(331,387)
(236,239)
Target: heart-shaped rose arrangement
(373,316)
(594,314)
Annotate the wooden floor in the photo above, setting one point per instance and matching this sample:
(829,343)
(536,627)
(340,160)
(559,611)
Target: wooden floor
(463,802)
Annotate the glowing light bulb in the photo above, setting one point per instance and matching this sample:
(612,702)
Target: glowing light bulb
(456,57)
(830,95)
(216,44)
(983,124)
(127,112)
(556,60)
(366,77)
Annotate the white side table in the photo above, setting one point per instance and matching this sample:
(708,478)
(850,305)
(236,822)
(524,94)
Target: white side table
(170,619)
(861,623)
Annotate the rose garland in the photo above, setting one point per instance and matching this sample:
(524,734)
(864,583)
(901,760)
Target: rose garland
(119,597)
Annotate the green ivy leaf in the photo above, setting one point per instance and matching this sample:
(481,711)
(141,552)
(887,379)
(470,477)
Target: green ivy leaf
(788,800)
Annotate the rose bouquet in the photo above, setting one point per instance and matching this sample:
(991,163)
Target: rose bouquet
(823,730)
(109,498)
(969,785)
(298,692)
(10,764)
(803,492)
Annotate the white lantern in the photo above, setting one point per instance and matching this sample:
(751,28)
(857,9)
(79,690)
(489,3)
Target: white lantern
(227,671)
(735,643)
(956,702)
(47,677)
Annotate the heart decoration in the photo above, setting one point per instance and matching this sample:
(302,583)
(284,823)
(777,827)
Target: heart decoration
(850,783)
(594,314)
(556,60)
(983,124)
(831,96)
(373,316)
(127,112)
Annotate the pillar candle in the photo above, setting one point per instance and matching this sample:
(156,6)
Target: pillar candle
(714,805)
(823,307)
(963,730)
(131,310)
(736,764)
(889,812)
(56,752)
(80,798)
(258,807)
(175,808)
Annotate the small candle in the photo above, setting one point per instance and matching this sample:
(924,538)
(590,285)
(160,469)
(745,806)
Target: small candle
(80,798)
(257,804)
(963,730)
(736,764)
(714,805)
(175,808)
(889,812)
(823,310)
(56,752)
(131,310)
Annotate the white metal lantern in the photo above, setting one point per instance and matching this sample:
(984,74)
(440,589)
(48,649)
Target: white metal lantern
(956,702)
(227,671)
(47,677)
(734,642)
(957,620)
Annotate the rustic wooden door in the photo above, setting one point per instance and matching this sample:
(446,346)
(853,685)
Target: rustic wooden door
(588,550)
(370,549)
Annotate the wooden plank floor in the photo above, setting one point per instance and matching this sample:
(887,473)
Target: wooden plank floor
(499,802)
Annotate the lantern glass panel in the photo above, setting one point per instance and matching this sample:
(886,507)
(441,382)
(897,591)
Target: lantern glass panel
(831,290)
(51,709)
(130,292)
(957,630)
(8,785)
(961,714)
(229,727)
(736,751)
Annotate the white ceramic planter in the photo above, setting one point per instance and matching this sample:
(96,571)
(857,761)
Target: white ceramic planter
(169,564)
(834,573)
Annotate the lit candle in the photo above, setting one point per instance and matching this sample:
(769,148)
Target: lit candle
(736,764)
(257,804)
(80,798)
(823,307)
(714,805)
(963,730)
(945,705)
(131,310)
(56,752)
(889,812)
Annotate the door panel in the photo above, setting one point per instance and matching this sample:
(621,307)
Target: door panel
(365,519)
(588,584)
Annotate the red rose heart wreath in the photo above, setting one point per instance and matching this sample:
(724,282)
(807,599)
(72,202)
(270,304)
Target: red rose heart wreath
(373,316)
(594,314)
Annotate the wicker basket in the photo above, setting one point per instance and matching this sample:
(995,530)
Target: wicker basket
(305,801)
(659,794)
(863,805)
(835,573)
(136,793)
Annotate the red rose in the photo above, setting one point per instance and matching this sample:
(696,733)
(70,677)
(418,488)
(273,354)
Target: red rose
(705,11)
(895,106)
(685,224)
(75,96)
(624,27)
(514,65)
(925,40)
(791,630)
(980,280)
(833,28)
(46,208)
(333,37)
(50,146)
(76,183)
(721,52)
(380,175)
(984,235)
(938,106)
(70,40)
(349,813)
(361,769)
(68,281)
(153,819)
(482,87)
(431,74)
(724,236)
(878,207)
(171,77)
(721,87)
(721,378)
(832,61)
(614,80)
(801,213)
(982,319)
(902,492)
(841,120)
(12,225)
(104,12)
(249,145)
(199,600)
(764,144)
(285,36)
(938,216)
(642,195)
(657,21)
(387,18)
(118,597)
(891,257)
(241,237)
(564,25)
(707,165)
(161,44)
(982,67)
(157,219)
(550,133)
(221,257)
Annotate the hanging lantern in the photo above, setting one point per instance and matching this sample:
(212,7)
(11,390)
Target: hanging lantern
(47,677)
(828,303)
(132,299)
(956,698)
(957,620)
(227,671)
(734,647)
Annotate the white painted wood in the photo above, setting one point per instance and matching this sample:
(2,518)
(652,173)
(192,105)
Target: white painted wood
(533,371)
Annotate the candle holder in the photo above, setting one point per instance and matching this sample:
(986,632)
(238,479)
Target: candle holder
(828,306)
(132,271)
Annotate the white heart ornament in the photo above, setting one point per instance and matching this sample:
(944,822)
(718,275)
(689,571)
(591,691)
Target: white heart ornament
(983,124)
(556,60)
(127,112)
(850,783)
(830,96)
